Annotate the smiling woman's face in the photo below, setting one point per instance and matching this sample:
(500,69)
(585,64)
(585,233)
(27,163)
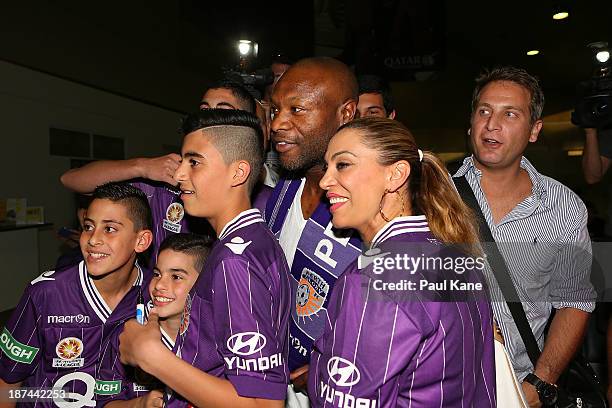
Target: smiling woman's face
(355,182)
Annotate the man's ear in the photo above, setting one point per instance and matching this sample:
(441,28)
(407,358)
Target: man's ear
(392,114)
(143,241)
(398,174)
(241,170)
(348,111)
(535,130)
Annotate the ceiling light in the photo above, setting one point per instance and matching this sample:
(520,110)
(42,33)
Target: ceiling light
(244,46)
(602,56)
(560,15)
(533,52)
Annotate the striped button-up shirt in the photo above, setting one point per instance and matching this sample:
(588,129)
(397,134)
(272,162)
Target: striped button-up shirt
(546,246)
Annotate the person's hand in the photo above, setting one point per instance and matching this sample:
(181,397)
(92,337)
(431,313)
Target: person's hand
(161,168)
(299,379)
(137,342)
(154,399)
(531,395)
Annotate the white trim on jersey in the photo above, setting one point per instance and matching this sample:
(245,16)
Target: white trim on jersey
(93,296)
(400,225)
(242,220)
(166,339)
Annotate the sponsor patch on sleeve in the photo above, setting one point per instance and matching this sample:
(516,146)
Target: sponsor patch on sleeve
(16,351)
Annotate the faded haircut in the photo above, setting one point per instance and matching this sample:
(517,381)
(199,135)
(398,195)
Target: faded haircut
(241,92)
(236,134)
(375,84)
(194,245)
(133,199)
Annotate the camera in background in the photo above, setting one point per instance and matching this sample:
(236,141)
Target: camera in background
(594,96)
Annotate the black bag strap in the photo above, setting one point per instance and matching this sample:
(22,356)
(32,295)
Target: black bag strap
(500,271)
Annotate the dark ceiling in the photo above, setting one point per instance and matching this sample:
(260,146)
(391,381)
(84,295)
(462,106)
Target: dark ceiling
(165,52)
(469,35)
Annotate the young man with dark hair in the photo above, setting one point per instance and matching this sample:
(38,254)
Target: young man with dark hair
(375,97)
(234,348)
(532,215)
(59,331)
(153,176)
(226,94)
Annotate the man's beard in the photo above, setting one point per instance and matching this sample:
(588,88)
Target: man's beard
(299,166)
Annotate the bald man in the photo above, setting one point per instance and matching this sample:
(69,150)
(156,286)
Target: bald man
(311,100)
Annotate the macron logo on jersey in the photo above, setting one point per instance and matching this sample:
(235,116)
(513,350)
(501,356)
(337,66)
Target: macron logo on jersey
(237,245)
(79,319)
(45,276)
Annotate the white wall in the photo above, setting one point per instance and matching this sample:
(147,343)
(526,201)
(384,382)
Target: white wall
(30,103)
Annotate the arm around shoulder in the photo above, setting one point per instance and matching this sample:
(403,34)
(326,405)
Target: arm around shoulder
(85,179)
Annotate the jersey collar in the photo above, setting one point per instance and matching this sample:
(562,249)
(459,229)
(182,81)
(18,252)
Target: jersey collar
(93,296)
(242,220)
(400,226)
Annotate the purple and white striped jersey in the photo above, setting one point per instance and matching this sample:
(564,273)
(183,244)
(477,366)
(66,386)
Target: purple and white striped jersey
(59,334)
(166,209)
(427,348)
(238,312)
(317,253)
(136,383)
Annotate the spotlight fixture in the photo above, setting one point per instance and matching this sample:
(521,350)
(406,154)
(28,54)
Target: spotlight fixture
(533,52)
(601,52)
(602,56)
(247,48)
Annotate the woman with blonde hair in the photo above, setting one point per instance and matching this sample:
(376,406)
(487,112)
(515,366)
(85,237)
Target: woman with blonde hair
(409,322)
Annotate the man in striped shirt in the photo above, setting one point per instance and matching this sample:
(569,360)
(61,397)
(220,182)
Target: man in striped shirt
(539,224)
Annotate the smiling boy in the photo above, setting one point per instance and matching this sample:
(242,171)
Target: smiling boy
(60,328)
(181,258)
(234,349)
(179,262)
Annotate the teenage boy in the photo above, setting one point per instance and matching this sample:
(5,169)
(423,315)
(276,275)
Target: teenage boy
(179,262)
(59,331)
(234,349)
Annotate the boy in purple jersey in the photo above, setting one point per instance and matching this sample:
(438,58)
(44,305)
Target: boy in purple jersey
(180,260)
(153,176)
(402,334)
(59,331)
(234,349)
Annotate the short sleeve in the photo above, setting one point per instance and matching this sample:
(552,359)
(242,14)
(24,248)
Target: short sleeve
(21,341)
(246,332)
